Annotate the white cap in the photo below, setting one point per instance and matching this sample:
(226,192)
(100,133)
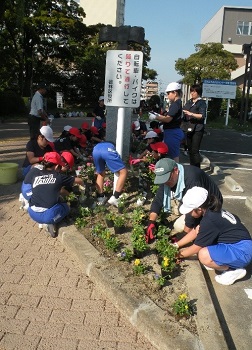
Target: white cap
(151,134)
(47,132)
(173,87)
(67,127)
(101,98)
(193,199)
(137,125)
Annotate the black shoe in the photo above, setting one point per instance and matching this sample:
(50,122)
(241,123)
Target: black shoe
(52,230)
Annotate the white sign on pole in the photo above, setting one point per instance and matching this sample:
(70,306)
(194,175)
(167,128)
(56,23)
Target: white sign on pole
(59,99)
(123,78)
(219,88)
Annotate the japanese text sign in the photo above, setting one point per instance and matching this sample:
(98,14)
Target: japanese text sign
(123,78)
(219,88)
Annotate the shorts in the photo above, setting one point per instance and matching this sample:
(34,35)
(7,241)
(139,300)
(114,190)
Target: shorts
(235,255)
(104,153)
(26,190)
(173,139)
(52,215)
(25,170)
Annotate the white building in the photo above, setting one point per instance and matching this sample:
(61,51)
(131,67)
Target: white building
(103,11)
(231,26)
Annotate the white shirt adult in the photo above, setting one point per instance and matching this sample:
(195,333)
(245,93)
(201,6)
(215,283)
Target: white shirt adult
(37,105)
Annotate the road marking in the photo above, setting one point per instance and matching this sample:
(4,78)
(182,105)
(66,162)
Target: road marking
(229,167)
(233,153)
(227,196)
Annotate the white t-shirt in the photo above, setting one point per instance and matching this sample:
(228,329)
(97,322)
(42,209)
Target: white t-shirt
(37,103)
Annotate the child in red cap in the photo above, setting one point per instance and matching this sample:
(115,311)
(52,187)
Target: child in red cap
(45,207)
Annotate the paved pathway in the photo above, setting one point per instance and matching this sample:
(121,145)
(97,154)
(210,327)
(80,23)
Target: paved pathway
(46,301)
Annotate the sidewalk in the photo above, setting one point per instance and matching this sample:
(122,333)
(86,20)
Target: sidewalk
(46,300)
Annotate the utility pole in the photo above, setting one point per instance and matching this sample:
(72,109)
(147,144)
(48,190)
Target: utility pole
(247,50)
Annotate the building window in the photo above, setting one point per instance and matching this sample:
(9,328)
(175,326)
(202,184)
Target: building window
(244,28)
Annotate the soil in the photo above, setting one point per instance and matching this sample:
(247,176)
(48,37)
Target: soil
(145,284)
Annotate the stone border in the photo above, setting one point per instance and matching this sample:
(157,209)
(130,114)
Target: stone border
(142,313)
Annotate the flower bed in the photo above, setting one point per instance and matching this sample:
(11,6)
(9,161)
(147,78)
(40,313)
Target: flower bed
(163,281)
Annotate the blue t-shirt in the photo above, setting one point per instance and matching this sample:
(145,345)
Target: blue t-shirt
(33,146)
(220,227)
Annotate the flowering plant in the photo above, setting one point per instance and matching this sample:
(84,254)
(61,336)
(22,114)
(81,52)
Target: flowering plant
(138,267)
(119,220)
(159,279)
(140,244)
(125,254)
(182,306)
(107,186)
(89,171)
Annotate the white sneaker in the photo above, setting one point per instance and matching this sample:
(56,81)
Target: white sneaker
(185,153)
(230,276)
(101,200)
(113,201)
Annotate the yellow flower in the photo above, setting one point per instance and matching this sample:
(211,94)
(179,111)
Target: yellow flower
(166,261)
(186,307)
(137,262)
(182,297)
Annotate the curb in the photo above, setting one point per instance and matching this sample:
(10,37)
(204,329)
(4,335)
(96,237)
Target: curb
(142,312)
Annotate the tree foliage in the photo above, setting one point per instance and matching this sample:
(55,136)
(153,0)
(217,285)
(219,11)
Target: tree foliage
(47,40)
(210,61)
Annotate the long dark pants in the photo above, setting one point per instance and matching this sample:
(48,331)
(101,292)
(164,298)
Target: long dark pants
(34,126)
(193,144)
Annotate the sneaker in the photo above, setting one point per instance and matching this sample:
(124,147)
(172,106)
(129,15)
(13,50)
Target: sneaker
(230,276)
(101,200)
(113,201)
(185,153)
(52,230)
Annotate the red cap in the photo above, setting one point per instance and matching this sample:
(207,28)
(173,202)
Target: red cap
(94,130)
(53,157)
(157,131)
(159,147)
(68,157)
(75,132)
(85,126)
(83,141)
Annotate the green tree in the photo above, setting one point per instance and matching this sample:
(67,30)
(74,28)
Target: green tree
(210,61)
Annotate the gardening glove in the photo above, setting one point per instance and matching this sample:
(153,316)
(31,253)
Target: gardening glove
(135,161)
(98,117)
(152,116)
(151,228)
(152,167)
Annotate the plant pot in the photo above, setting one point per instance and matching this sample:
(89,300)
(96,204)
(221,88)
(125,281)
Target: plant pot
(120,210)
(74,203)
(110,223)
(139,254)
(119,230)
(165,274)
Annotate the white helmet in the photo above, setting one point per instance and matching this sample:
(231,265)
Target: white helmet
(173,87)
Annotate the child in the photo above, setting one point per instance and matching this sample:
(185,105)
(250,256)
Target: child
(104,153)
(221,241)
(45,207)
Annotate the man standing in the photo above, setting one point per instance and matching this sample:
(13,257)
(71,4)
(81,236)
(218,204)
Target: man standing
(37,112)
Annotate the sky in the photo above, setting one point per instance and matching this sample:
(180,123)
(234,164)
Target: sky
(172,29)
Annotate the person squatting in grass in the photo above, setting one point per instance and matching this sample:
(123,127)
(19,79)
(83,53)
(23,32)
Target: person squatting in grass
(221,241)
(47,184)
(175,180)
